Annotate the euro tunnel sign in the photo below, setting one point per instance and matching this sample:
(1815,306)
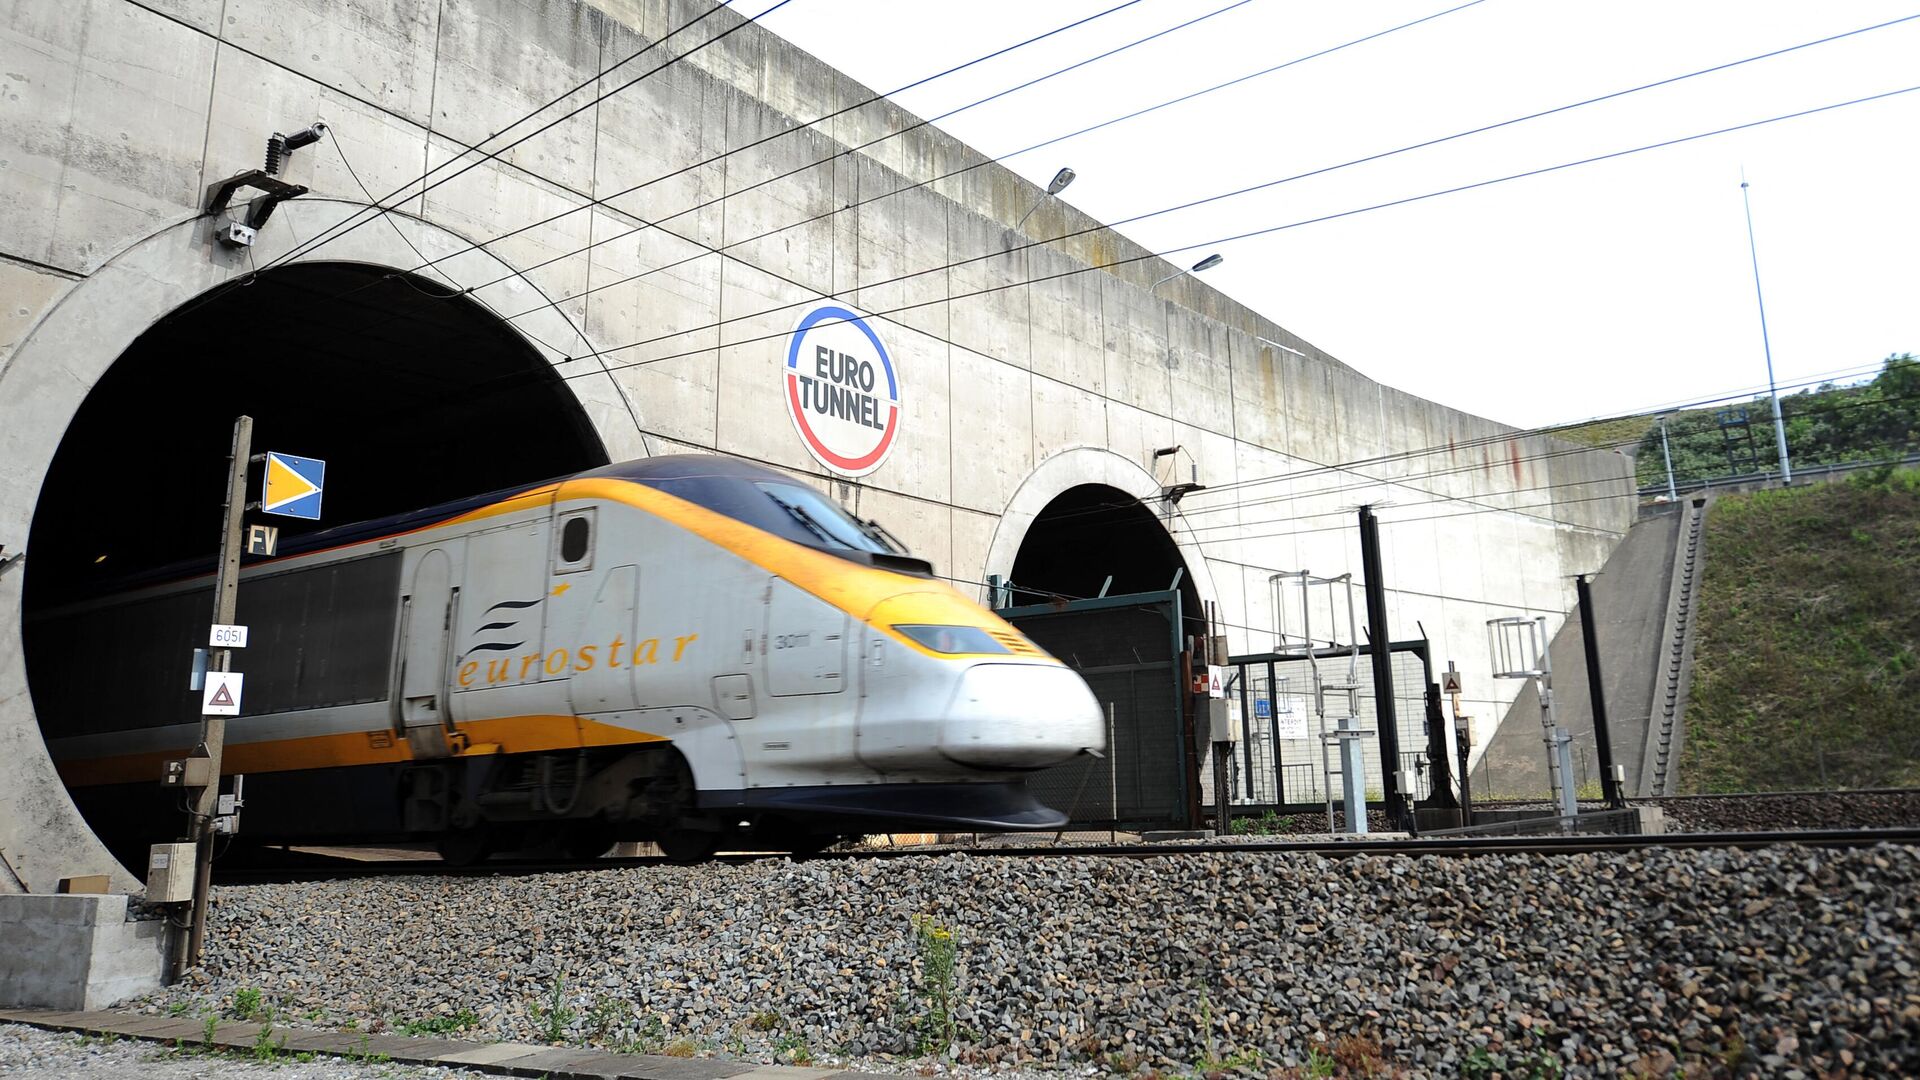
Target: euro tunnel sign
(294,485)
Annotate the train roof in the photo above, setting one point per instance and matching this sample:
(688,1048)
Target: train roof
(679,474)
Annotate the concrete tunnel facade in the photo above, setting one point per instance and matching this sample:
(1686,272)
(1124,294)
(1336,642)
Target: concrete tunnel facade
(673,336)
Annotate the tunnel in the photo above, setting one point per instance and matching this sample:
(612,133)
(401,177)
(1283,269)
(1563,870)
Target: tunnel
(412,394)
(1090,532)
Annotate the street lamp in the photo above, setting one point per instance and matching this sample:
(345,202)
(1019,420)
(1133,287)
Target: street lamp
(1207,263)
(1667,453)
(1057,185)
(1779,424)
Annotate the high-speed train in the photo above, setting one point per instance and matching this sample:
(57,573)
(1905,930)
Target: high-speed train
(689,649)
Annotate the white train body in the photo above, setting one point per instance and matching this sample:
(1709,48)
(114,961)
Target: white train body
(549,646)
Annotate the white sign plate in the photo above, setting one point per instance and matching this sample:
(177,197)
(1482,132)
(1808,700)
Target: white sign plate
(1215,687)
(221,695)
(226,636)
(1289,719)
(1450,682)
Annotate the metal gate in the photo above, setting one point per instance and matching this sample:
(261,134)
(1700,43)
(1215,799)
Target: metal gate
(1276,750)
(1128,649)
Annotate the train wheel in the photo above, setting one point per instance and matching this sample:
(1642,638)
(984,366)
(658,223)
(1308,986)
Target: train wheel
(688,846)
(464,847)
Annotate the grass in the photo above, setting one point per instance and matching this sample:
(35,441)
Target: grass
(1807,665)
(1267,824)
(937,952)
(1625,432)
(439,1025)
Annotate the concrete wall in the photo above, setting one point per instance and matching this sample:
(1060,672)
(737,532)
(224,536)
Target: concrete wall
(76,952)
(118,114)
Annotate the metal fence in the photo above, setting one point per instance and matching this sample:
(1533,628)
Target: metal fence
(1276,749)
(1128,650)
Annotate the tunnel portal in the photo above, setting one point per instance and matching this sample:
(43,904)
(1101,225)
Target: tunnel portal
(412,395)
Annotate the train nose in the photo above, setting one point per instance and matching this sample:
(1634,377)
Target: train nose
(1020,716)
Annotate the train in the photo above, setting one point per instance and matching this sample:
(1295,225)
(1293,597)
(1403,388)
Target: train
(693,650)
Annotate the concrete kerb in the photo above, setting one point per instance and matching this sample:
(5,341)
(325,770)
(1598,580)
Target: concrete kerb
(70,347)
(500,1059)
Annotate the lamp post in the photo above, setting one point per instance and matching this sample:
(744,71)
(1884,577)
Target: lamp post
(1054,187)
(1667,453)
(1779,424)
(1207,263)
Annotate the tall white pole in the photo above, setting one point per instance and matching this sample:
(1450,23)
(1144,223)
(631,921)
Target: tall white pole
(1779,424)
(1667,453)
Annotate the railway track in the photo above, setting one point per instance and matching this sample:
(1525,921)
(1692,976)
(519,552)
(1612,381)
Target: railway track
(333,869)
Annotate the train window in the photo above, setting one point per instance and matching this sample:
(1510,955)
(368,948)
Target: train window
(823,519)
(576,541)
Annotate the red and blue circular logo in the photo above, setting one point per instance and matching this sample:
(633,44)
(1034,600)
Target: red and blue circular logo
(843,394)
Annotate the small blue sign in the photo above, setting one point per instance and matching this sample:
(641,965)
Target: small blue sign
(294,486)
(1262,708)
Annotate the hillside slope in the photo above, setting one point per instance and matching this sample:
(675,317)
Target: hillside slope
(1807,665)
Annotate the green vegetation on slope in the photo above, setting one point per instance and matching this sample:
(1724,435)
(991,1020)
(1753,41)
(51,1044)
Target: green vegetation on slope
(1877,420)
(1805,669)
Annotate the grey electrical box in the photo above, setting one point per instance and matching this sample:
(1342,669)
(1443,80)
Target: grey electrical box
(193,772)
(170,873)
(1219,724)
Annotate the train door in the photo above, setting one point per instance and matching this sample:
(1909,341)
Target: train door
(426,619)
(805,729)
(499,631)
(806,644)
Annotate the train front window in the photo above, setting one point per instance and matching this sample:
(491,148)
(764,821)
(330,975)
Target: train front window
(825,521)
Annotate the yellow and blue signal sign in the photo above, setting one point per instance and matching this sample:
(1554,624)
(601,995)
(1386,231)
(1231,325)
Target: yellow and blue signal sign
(294,485)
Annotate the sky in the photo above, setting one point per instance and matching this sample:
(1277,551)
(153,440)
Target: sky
(1590,291)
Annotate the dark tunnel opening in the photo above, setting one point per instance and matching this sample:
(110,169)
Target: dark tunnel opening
(1090,532)
(411,396)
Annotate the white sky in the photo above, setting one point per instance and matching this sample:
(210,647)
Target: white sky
(1600,289)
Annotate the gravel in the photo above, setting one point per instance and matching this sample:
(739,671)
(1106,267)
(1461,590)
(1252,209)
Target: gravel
(1796,810)
(53,1055)
(1787,960)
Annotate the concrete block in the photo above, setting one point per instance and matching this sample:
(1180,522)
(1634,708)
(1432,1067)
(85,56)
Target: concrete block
(1065,304)
(993,450)
(497,62)
(108,116)
(375,51)
(75,952)
(989,312)
(1200,374)
(1065,415)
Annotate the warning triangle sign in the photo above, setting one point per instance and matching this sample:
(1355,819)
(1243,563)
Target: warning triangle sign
(220,696)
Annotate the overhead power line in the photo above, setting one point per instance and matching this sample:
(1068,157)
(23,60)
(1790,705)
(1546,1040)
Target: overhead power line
(1217,241)
(656,223)
(603,199)
(356,220)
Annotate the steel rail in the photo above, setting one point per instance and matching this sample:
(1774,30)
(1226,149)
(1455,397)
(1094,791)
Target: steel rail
(1556,844)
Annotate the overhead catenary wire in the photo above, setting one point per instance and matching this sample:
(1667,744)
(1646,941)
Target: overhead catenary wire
(656,223)
(381,209)
(607,369)
(599,201)
(1220,240)
(553,302)
(1365,482)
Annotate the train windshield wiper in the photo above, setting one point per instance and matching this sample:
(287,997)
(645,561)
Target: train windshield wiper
(806,521)
(881,535)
